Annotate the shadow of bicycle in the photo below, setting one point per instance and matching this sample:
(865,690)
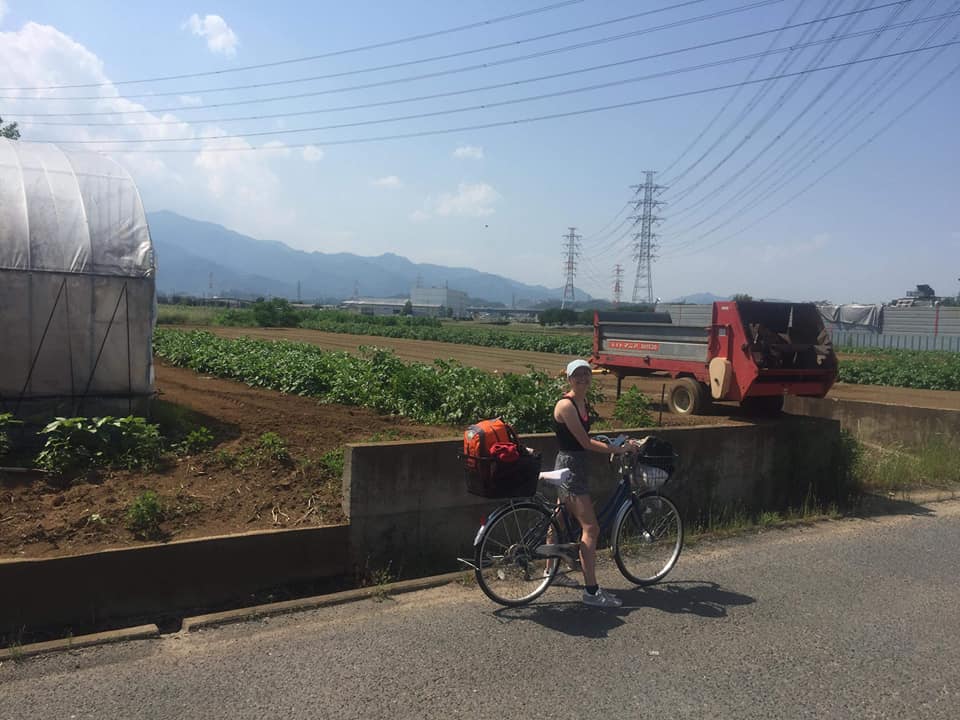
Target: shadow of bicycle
(693,597)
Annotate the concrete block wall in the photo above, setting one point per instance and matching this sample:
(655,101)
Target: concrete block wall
(408,507)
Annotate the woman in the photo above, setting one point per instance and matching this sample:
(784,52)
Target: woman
(572,423)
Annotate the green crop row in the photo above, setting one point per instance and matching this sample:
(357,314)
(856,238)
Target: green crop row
(444,393)
(905,368)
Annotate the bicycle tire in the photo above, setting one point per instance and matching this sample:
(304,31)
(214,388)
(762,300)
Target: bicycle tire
(507,570)
(647,538)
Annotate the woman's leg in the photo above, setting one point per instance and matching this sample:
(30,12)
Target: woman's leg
(581,507)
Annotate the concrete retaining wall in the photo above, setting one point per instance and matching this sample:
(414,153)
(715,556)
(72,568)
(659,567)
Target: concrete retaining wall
(879,424)
(164,579)
(408,506)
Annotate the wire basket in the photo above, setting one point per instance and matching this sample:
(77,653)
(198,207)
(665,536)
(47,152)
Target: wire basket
(651,476)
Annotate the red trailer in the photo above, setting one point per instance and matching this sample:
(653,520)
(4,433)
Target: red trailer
(753,353)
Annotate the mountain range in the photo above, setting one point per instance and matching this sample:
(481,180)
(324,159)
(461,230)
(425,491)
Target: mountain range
(193,255)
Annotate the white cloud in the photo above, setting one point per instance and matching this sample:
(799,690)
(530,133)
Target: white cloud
(468,152)
(237,188)
(190,100)
(220,38)
(388,181)
(312,154)
(470,200)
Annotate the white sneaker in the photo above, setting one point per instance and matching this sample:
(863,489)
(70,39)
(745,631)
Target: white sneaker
(601,599)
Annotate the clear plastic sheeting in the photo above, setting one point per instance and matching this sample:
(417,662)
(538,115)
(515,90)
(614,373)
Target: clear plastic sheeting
(77,284)
(70,212)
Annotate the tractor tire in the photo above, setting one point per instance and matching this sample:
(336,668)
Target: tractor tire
(687,397)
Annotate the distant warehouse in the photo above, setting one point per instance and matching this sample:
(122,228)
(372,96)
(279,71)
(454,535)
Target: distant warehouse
(423,302)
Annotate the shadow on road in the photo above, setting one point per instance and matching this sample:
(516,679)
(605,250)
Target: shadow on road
(694,597)
(873,505)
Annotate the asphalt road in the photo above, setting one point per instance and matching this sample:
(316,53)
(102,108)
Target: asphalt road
(845,619)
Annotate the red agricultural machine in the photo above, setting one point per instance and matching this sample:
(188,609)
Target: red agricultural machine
(754,353)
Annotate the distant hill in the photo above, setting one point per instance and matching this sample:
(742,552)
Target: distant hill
(189,251)
(703,298)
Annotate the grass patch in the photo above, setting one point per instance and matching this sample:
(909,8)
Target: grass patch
(894,469)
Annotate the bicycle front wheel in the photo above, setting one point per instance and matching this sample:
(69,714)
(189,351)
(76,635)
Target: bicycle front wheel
(647,538)
(508,569)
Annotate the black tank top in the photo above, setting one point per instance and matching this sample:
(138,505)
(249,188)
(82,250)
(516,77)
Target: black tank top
(565,439)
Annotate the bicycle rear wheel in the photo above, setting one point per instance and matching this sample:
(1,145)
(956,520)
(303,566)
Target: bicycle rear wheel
(647,538)
(508,570)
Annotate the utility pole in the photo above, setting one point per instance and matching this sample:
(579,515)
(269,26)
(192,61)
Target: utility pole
(644,242)
(298,291)
(571,251)
(617,284)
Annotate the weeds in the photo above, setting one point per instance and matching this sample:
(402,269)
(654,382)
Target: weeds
(194,441)
(893,469)
(632,409)
(145,515)
(331,463)
(78,444)
(272,446)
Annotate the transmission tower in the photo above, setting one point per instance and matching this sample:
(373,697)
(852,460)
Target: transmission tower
(617,284)
(571,251)
(644,242)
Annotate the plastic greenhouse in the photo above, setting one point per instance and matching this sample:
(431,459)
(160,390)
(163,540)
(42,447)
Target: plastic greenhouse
(77,285)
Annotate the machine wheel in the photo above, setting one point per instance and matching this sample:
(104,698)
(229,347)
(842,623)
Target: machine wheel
(767,405)
(687,397)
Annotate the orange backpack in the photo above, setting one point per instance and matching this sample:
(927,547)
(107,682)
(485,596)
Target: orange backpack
(496,464)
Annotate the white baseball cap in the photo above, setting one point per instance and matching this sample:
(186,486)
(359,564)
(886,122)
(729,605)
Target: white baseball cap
(574,365)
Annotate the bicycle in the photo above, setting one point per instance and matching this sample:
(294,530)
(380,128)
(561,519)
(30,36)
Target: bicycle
(518,548)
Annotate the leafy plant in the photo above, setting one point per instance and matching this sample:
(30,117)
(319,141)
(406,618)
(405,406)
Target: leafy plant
(194,441)
(632,409)
(79,443)
(6,420)
(144,516)
(331,463)
(273,447)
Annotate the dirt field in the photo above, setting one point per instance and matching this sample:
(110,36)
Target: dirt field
(214,492)
(230,487)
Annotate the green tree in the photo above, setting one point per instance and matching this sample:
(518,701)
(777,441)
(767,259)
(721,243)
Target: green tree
(10,130)
(408,308)
(742,297)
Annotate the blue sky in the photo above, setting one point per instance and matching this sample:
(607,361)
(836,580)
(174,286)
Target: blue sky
(501,198)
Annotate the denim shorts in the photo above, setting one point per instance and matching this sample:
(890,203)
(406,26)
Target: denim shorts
(576,462)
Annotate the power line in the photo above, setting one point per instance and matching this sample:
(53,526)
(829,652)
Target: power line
(779,173)
(394,81)
(334,53)
(535,118)
(942,81)
(453,111)
(512,83)
(733,96)
(796,117)
(787,93)
(794,172)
